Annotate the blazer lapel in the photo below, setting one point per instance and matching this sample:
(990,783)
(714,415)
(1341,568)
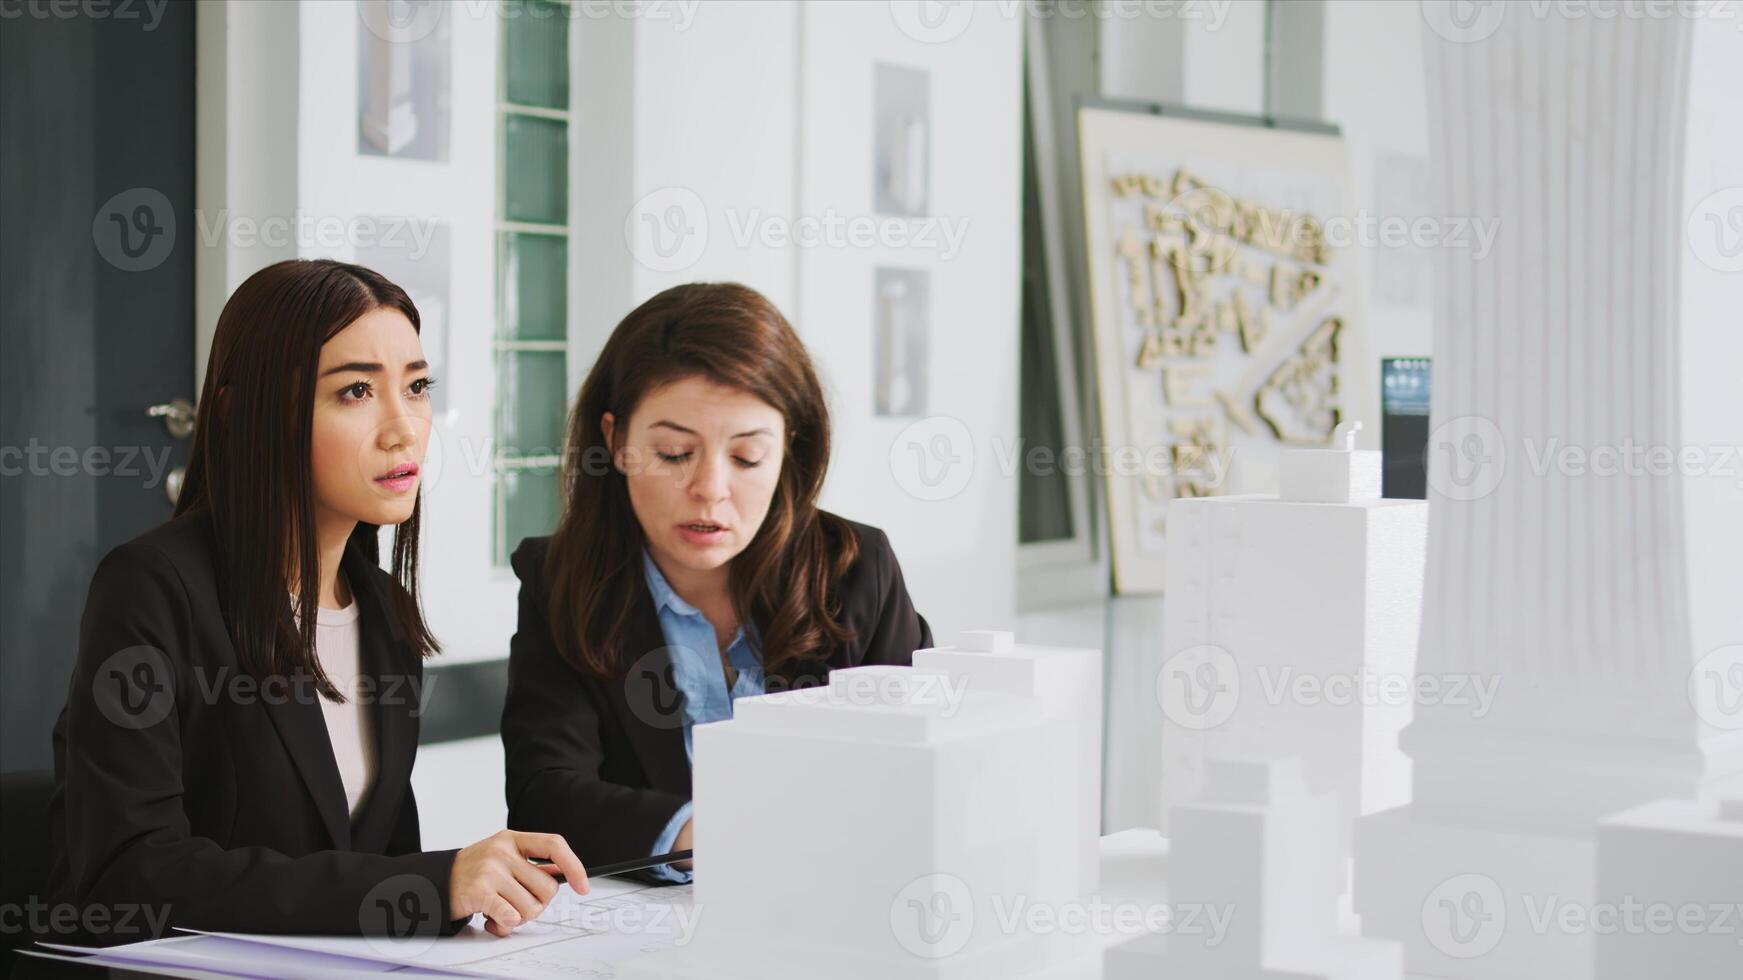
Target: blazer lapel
(398,688)
(648,700)
(303,730)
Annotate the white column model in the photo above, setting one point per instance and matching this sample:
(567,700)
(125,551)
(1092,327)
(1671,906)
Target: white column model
(1586,513)
(1290,628)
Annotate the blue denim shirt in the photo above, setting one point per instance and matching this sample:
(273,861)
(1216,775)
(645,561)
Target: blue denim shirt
(700,680)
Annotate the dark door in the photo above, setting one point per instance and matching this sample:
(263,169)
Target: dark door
(96,318)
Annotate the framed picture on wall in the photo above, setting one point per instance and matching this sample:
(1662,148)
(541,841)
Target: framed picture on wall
(1225,305)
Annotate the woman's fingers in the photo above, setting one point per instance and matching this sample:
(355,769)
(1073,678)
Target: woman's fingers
(553,848)
(523,901)
(538,880)
(501,917)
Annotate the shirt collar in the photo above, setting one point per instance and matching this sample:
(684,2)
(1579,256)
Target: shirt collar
(662,592)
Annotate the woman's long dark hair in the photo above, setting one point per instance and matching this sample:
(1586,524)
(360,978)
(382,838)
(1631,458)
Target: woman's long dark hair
(250,466)
(785,579)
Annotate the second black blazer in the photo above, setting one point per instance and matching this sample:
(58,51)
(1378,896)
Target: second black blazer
(602,762)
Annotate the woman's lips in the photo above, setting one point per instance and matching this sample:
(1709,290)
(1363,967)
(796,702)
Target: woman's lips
(702,533)
(400,478)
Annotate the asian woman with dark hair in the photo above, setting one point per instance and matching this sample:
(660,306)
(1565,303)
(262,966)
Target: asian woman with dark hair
(237,745)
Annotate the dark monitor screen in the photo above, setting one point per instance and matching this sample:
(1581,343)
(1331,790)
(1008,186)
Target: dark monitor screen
(1404,426)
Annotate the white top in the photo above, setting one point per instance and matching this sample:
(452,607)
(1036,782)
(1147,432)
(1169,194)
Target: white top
(348,724)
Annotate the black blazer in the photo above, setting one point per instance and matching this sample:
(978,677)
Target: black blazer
(602,762)
(179,787)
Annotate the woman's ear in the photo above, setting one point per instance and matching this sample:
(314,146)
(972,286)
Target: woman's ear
(608,428)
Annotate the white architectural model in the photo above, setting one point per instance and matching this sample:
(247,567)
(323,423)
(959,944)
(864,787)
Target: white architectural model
(1670,879)
(1262,849)
(873,828)
(1290,629)
(1583,543)
(1069,683)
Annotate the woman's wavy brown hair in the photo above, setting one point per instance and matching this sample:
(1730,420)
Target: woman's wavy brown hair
(785,579)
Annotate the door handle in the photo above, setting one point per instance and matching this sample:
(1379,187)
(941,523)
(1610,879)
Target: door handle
(177,415)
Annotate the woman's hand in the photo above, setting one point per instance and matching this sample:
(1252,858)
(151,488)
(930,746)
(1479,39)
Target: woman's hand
(496,877)
(684,842)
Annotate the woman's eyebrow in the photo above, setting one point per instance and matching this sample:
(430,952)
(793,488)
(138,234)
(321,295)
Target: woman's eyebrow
(371,367)
(667,424)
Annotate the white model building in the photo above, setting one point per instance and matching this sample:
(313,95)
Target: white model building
(1068,680)
(1261,850)
(873,828)
(1290,629)
(1670,891)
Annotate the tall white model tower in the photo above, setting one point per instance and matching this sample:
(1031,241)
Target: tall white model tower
(1290,628)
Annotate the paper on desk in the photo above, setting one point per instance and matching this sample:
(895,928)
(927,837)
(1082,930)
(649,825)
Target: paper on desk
(202,956)
(578,935)
(120,964)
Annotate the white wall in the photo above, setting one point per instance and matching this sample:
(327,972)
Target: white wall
(1375,90)
(959,554)
(1224,57)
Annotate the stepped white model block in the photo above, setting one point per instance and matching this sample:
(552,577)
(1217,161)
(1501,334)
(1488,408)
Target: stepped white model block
(1339,475)
(872,829)
(1672,872)
(1069,683)
(1589,593)
(1259,851)
(1290,629)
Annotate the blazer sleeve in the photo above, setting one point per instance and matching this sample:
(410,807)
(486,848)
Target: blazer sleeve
(127,837)
(898,629)
(553,752)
